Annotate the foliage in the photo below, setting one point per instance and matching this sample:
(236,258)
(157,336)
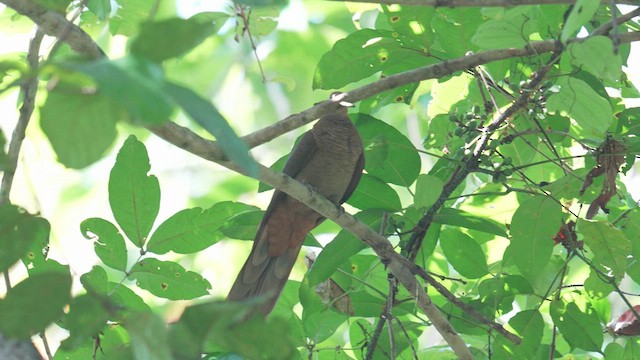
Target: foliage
(502,179)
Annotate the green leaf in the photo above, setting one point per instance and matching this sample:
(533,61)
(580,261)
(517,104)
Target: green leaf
(96,282)
(169,280)
(19,231)
(321,325)
(581,14)
(243,226)
(362,54)
(263,19)
(80,127)
(454,29)
(191,230)
(391,157)
(579,101)
(456,217)
(533,226)
(182,34)
(440,133)
(101,8)
(107,242)
(134,196)
(343,246)
(463,253)
(412,22)
(129,16)
(374,193)
(428,189)
(34,303)
(610,246)
(614,351)
(149,336)
(205,114)
(114,345)
(353,58)
(581,330)
(134,84)
(85,319)
(530,326)
(505,32)
(596,287)
(225,327)
(631,229)
(596,55)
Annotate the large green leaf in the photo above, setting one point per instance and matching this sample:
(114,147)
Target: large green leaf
(530,326)
(631,230)
(182,34)
(579,101)
(85,319)
(609,245)
(510,30)
(101,8)
(456,217)
(320,325)
(107,242)
(191,230)
(428,189)
(129,16)
(168,280)
(390,156)
(362,54)
(134,196)
(595,55)
(463,253)
(223,326)
(205,114)
(18,232)
(533,226)
(149,336)
(359,55)
(34,303)
(134,84)
(97,284)
(374,193)
(80,127)
(580,15)
(582,330)
(454,29)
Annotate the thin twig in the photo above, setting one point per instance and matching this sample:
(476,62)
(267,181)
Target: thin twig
(28,90)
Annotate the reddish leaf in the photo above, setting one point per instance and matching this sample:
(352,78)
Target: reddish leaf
(626,324)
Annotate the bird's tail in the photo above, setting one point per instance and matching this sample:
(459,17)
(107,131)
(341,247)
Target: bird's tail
(267,269)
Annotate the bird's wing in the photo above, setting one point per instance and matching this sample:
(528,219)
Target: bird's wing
(355,179)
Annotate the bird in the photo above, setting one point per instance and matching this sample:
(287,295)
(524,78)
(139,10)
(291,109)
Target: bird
(329,159)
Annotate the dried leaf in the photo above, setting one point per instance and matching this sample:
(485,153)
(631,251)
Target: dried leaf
(610,157)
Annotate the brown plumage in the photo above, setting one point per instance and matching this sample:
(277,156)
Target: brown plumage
(330,159)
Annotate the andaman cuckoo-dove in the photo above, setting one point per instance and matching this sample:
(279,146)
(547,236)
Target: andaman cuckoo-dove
(329,158)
